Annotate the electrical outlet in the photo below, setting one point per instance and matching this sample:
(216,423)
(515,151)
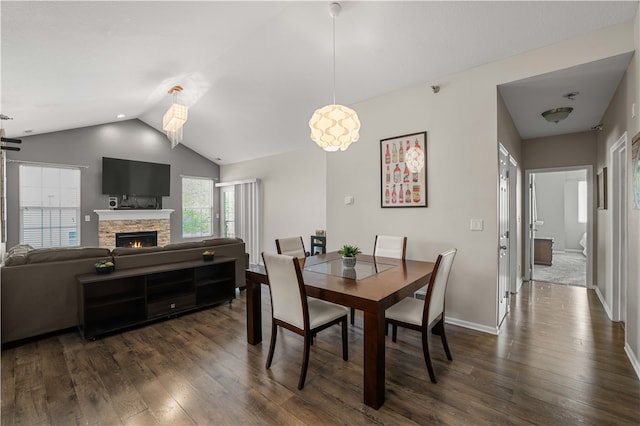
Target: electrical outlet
(87,218)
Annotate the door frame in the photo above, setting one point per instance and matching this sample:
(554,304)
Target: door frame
(617,188)
(590,218)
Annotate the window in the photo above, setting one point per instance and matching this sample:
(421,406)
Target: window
(582,201)
(197,207)
(49,206)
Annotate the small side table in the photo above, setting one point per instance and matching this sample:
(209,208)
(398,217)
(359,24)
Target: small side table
(543,251)
(318,244)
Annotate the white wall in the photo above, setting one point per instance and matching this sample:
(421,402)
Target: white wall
(462,175)
(293,189)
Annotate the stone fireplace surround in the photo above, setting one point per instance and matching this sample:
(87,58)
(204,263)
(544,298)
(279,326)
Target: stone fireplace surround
(112,221)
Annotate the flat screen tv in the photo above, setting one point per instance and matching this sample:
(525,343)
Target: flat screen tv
(129,177)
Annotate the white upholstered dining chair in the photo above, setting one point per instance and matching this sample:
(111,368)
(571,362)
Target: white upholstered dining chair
(427,314)
(293,310)
(386,246)
(291,246)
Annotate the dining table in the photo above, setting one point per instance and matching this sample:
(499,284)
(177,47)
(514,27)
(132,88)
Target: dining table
(372,286)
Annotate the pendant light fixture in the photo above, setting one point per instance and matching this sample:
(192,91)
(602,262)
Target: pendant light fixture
(175,118)
(334,127)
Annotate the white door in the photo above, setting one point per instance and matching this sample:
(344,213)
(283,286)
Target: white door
(503,247)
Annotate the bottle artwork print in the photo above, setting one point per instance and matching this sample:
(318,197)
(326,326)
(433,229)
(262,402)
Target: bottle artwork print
(402,187)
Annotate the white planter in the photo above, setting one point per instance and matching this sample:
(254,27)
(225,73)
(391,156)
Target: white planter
(348,262)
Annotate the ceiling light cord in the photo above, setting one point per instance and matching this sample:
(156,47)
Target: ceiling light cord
(333,15)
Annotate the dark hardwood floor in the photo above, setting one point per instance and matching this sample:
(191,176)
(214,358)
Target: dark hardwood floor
(558,361)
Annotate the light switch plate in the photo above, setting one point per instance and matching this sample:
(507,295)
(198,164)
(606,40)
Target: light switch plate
(477,224)
(348,199)
(87,218)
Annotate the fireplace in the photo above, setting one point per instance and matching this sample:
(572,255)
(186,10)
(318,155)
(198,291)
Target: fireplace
(137,239)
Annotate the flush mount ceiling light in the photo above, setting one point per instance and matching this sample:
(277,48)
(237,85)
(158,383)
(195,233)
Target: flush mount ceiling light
(175,118)
(556,115)
(334,127)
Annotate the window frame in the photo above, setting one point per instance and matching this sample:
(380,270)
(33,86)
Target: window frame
(583,214)
(58,192)
(210,207)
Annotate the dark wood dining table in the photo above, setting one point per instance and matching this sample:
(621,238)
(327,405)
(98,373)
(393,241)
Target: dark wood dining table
(379,283)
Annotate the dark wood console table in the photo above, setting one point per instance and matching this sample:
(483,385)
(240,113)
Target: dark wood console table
(131,297)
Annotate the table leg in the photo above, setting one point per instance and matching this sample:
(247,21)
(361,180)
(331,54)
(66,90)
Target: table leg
(254,312)
(374,343)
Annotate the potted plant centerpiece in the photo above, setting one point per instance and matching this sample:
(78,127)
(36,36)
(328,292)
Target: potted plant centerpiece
(349,254)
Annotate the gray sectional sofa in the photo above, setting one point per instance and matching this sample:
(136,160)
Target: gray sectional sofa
(38,287)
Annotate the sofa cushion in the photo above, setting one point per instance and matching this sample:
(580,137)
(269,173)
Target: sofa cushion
(182,246)
(69,253)
(221,241)
(125,251)
(15,259)
(17,255)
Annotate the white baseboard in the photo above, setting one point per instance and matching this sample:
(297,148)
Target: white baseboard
(472,325)
(634,360)
(604,303)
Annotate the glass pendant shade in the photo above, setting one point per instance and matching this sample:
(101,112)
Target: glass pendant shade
(174,118)
(334,127)
(414,157)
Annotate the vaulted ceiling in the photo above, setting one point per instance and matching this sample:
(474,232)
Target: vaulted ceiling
(254,72)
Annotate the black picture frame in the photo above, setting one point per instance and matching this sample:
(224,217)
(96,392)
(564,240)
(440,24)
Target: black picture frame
(399,188)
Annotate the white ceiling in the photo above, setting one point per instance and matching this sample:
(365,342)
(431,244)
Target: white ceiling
(254,72)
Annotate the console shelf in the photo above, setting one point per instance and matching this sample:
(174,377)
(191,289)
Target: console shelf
(123,299)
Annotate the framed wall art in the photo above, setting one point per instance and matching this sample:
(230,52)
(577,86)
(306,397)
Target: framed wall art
(602,189)
(399,186)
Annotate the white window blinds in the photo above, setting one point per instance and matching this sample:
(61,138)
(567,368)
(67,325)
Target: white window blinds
(49,206)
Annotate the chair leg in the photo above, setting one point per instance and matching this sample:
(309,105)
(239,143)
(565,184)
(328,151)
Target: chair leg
(443,336)
(353,316)
(272,345)
(394,332)
(345,346)
(427,356)
(305,361)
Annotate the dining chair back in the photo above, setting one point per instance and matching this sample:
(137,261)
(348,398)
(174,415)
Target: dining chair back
(288,297)
(386,246)
(426,315)
(434,302)
(390,246)
(292,246)
(293,310)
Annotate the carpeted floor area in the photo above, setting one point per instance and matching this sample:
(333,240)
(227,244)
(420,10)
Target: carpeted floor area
(567,268)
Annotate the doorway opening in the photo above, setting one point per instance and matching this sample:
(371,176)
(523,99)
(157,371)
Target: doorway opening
(559,216)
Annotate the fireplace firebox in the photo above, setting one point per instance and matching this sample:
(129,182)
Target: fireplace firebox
(137,239)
